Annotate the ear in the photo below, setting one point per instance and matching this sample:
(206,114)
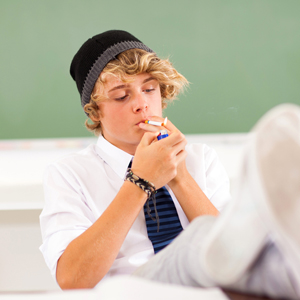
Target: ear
(95,115)
(93,112)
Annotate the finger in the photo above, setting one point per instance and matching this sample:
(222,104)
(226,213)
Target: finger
(173,139)
(148,138)
(177,150)
(179,146)
(181,156)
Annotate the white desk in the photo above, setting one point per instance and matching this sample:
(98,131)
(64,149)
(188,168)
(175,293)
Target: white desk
(127,288)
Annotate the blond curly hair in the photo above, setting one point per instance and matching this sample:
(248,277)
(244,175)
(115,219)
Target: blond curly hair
(133,62)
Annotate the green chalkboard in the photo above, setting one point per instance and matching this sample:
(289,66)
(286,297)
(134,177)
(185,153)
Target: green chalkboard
(241,58)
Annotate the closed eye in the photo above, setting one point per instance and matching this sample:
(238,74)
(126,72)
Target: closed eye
(121,98)
(149,90)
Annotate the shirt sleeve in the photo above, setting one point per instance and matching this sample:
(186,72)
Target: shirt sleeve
(66,214)
(217,180)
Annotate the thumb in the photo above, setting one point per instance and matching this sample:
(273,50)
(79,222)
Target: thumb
(148,138)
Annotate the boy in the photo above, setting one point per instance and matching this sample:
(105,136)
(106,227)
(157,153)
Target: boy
(97,224)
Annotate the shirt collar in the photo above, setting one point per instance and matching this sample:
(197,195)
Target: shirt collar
(116,158)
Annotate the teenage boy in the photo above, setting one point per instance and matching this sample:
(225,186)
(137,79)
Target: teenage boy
(94,223)
(111,207)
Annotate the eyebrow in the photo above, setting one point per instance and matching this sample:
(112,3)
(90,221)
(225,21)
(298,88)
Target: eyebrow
(122,86)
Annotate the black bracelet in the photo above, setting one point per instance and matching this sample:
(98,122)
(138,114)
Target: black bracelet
(145,185)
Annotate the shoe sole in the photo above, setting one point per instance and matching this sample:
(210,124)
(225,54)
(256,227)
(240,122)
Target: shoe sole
(278,162)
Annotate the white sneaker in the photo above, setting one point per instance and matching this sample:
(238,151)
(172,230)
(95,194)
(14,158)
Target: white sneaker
(267,202)
(278,159)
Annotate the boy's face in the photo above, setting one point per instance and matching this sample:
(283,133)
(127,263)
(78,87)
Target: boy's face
(125,106)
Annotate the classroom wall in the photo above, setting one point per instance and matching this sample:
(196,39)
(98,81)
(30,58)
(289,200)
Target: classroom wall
(241,58)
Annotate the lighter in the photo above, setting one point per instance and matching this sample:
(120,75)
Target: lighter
(163,134)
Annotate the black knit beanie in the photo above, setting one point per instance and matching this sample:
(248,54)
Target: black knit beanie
(94,55)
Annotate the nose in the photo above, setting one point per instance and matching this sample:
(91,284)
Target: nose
(140,103)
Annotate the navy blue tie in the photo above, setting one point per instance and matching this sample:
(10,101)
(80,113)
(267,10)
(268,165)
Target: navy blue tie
(169,223)
(164,228)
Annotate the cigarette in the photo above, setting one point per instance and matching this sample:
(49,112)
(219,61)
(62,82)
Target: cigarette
(164,123)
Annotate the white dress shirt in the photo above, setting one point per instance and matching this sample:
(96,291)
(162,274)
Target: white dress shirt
(79,187)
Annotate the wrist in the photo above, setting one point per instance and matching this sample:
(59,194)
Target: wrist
(147,187)
(134,191)
(179,180)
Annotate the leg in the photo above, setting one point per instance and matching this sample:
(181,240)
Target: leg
(179,263)
(269,275)
(267,204)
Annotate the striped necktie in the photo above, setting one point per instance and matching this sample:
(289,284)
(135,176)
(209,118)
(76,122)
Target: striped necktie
(169,223)
(161,233)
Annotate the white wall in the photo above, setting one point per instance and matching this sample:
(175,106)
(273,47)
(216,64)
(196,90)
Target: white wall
(22,267)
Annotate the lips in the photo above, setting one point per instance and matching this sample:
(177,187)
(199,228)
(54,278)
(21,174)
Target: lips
(143,121)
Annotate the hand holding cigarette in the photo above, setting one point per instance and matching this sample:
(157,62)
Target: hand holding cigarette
(163,133)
